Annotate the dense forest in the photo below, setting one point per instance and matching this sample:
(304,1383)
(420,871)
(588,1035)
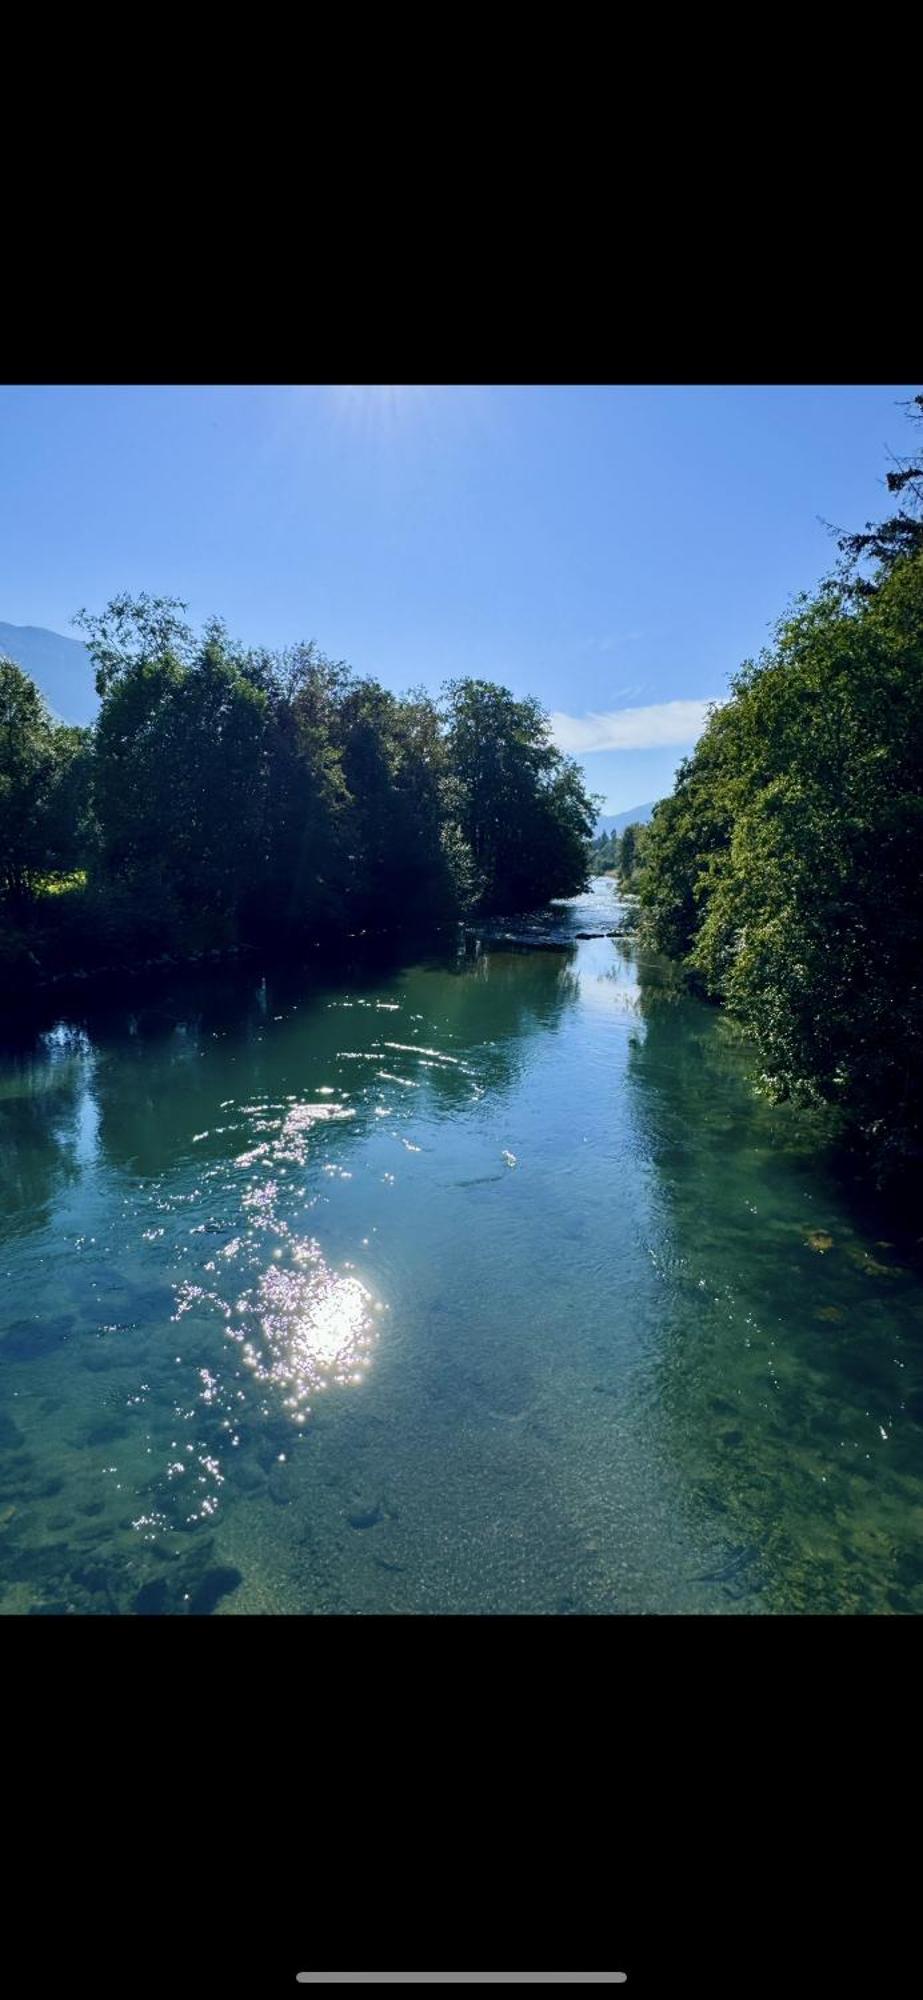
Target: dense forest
(786,870)
(229,796)
(622,855)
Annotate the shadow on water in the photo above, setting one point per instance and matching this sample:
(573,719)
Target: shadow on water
(162,1071)
(181,1171)
(791,1388)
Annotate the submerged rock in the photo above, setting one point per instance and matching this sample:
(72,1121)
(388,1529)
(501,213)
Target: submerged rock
(28,1339)
(280,1486)
(248,1478)
(215,1584)
(109,1430)
(153,1599)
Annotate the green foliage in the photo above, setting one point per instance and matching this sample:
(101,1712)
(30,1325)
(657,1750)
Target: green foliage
(180,789)
(309,869)
(44,789)
(891,541)
(69,814)
(632,849)
(786,869)
(395,767)
(133,632)
(229,795)
(621,854)
(604,854)
(520,807)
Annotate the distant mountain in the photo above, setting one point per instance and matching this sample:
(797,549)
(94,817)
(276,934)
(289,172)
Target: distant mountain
(614,823)
(61,668)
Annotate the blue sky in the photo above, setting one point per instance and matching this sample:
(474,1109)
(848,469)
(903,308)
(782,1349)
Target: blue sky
(608,549)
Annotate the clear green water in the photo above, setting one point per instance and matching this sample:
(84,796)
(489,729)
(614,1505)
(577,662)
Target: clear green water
(486,1286)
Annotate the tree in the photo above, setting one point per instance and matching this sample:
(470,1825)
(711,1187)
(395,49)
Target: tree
(309,869)
(785,872)
(180,783)
(604,853)
(396,767)
(688,832)
(133,632)
(229,793)
(901,535)
(70,820)
(37,758)
(521,808)
(631,852)
(786,869)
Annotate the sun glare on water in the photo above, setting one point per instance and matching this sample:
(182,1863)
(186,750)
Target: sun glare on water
(311,1328)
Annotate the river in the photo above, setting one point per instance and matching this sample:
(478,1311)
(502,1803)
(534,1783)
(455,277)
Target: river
(486,1286)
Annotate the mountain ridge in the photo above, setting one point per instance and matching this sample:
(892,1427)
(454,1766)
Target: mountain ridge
(617,822)
(60,667)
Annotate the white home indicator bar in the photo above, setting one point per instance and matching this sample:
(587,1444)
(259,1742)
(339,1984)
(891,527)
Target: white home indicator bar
(463,1978)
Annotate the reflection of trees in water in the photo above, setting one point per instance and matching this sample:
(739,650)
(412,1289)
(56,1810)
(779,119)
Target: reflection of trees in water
(493,1001)
(660,981)
(694,1094)
(41,1091)
(777,1372)
(165,1070)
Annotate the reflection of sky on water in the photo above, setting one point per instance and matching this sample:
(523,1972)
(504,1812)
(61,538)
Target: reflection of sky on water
(607,978)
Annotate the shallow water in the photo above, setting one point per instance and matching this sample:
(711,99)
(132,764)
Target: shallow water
(484,1286)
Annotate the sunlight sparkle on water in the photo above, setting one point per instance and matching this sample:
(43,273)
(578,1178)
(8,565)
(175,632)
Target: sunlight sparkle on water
(315,1327)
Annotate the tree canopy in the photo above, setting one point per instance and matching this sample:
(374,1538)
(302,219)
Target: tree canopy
(519,806)
(884,543)
(228,794)
(43,787)
(786,870)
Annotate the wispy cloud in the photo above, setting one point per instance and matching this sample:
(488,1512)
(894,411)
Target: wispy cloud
(663,726)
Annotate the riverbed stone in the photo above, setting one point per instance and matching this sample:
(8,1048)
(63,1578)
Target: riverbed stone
(217,1583)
